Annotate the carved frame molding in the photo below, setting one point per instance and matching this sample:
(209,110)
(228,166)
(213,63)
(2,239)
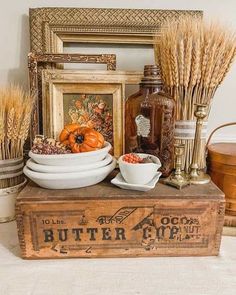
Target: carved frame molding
(51,27)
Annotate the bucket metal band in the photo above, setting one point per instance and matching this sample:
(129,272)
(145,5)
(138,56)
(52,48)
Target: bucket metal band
(11,168)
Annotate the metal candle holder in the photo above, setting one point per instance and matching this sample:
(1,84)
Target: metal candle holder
(197,176)
(178,178)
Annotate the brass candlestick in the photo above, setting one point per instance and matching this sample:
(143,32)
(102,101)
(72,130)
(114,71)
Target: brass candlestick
(178,178)
(196,175)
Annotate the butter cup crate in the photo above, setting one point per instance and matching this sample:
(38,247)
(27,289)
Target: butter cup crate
(105,221)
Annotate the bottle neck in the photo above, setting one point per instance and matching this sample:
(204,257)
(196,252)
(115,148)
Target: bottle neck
(150,89)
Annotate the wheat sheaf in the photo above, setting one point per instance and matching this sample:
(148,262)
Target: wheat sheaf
(15,112)
(194,57)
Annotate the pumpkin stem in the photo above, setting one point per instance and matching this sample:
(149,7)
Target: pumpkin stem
(80,139)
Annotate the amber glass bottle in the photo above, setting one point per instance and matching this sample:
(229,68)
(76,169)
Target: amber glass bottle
(149,125)
(150,83)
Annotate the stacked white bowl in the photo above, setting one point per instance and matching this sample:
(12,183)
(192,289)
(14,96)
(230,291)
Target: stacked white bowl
(68,171)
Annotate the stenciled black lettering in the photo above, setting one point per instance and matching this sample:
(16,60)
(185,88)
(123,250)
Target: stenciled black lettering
(160,231)
(92,231)
(165,220)
(48,235)
(62,234)
(77,232)
(146,232)
(173,232)
(174,220)
(106,234)
(120,233)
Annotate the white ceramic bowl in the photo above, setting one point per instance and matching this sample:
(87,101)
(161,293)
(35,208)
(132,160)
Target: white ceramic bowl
(72,159)
(139,173)
(70,180)
(68,168)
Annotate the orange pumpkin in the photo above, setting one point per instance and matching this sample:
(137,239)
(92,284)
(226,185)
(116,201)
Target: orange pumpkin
(64,136)
(85,139)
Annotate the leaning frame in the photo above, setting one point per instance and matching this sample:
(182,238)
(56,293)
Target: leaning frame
(35,64)
(50,28)
(55,82)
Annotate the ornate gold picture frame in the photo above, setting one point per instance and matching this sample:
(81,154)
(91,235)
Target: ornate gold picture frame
(36,62)
(90,98)
(51,27)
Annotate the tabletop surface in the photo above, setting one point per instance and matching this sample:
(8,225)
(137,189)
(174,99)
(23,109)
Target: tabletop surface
(157,276)
(105,190)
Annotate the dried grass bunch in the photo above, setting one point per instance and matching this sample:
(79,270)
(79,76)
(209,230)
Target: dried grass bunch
(15,114)
(194,57)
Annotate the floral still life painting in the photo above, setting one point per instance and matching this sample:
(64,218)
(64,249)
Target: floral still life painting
(91,110)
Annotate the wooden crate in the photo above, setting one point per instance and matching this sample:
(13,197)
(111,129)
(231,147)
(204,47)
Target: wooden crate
(105,221)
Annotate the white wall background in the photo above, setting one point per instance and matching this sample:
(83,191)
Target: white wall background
(14,43)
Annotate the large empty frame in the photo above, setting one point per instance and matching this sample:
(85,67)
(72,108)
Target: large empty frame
(50,28)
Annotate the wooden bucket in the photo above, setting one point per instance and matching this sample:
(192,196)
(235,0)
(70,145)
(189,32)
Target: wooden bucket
(7,201)
(222,169)
(11,183)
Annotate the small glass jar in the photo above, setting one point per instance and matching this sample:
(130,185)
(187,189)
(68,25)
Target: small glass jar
(149,125)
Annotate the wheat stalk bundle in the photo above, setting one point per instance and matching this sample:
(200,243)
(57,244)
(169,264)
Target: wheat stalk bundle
(194,58)
(15,114)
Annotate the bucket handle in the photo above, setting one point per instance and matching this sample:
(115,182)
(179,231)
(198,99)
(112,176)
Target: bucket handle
(212,133)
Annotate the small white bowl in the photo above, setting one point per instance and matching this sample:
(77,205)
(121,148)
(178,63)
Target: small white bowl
(70,180)
(72,159)
(139,173)
(68,168)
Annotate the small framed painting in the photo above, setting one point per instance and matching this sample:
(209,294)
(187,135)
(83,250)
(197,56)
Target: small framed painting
(94,99)
(99,106)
